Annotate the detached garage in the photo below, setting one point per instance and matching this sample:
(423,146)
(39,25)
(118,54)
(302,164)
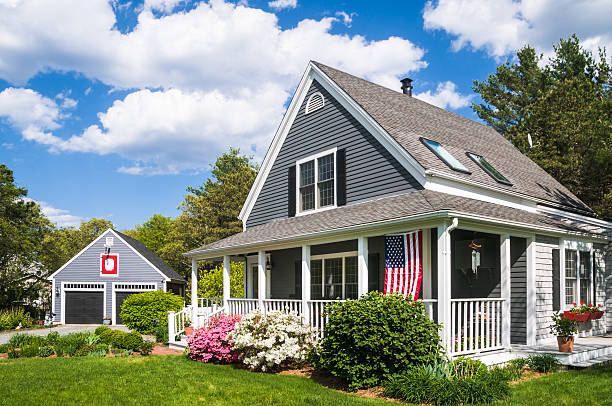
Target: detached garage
(95,282)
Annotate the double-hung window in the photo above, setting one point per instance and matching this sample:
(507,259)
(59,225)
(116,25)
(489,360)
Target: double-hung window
(584,273)
(316,182)
(571,284)
(333,276)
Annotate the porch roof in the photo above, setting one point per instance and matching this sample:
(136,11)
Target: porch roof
(416,205)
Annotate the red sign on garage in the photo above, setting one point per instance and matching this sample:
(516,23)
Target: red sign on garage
(109,264)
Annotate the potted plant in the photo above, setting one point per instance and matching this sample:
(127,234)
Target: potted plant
(106,321)
(188,328)
(579,313)
(595,312)
(564,328)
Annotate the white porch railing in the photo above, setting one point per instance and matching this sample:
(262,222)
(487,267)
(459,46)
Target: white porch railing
(241,306)
(210,302)
(287,305)
(430,307)
(476,325)
(316,314)
(176,323)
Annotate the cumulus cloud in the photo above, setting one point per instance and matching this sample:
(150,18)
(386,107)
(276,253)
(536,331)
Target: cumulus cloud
(501,27)
(346,18)
(282,4)
(221,73)
(445,96)
(60,217)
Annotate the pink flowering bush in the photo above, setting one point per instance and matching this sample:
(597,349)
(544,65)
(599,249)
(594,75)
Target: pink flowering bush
(212,344)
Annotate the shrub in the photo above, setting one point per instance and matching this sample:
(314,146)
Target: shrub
(11,318)
(370,339)
(266,342)
(106,336)
(117,338)
(467,368)
(12,354)
(514,369)
(147,347)
(543,363)
(29,351)
(19,339)
(69,344)
(212,344)
(45,351)
(91,338)
(4,348)
(161,334)
(99,350)
(132,341)
(141,311)
(424,384)
(100,329)
(53,337)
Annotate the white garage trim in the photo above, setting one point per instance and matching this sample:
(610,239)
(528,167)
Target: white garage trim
(83,287)
(129,287)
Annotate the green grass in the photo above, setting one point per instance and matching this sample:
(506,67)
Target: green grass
(155,380)
(175,380)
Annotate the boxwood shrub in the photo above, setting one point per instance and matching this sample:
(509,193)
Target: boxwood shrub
(372,338)
(132,341)
(143,311)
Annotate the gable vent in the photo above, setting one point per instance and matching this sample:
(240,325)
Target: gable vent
(315,102)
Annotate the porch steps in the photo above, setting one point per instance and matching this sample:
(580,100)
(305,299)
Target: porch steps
(591,362)
(587,351)
(178,345)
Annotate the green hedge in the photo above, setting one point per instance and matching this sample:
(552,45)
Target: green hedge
(375,337)
(143,311)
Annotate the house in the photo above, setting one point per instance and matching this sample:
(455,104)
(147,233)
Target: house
(96,281)
(501,243)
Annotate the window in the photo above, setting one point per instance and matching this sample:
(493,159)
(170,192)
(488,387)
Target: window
(317,182)
(333,276)
(584,273)
(570,277)
(315,102)
(489,169)
(444,155)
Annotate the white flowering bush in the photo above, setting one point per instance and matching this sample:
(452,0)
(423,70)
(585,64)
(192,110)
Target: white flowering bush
(265,342)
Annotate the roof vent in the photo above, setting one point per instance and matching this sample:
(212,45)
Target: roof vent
(315,102)
(407,86)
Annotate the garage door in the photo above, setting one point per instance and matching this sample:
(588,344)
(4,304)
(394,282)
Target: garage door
(84,307)
(119,298)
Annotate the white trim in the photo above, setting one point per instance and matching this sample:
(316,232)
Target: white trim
(115,289)
(80,252)
(532,324)
(64,290)
(51,316)
(314,157)
(307,109)
(575,216)
(362,267)
(103,275)
(335,255)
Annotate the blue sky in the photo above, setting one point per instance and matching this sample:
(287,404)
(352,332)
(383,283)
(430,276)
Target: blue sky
(112,109)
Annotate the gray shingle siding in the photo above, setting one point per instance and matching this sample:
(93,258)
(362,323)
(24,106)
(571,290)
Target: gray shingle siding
(371,171)
(86,268)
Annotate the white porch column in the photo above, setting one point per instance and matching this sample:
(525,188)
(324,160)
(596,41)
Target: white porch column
(305,283)
(426,261)
(194,292)
(444,286)
(362,265)
(531,291)
(261,278)
(226,280)
(506,268)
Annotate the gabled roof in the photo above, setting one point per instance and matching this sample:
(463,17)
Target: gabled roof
(406,119)
(404,207)
(150,256)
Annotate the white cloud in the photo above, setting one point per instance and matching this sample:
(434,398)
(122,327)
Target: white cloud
(162,5)
(503,26)
(282,4)
(222,74)
(347,19)
(445,96)
(60,217)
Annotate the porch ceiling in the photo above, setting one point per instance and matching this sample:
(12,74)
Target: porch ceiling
(377,214)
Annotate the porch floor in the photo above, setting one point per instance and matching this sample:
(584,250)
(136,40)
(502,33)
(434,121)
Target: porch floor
(588,351)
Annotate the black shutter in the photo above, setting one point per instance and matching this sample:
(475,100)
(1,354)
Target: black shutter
(341,177)
(298,279)
(594,276)
(291,191)
(372,272)
(556,269)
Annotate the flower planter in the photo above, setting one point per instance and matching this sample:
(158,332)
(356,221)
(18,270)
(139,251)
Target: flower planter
(596,315)
(566,344)
(577,316)
(188,331)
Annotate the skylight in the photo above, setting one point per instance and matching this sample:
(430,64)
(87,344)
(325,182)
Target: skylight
(488,168)
(444,155)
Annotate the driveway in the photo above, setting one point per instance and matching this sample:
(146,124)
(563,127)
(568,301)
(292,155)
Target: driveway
(5,336)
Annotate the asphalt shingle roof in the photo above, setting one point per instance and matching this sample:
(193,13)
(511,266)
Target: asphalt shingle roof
(407,118)
(151,257)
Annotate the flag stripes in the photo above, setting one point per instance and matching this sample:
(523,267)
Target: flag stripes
(403,264)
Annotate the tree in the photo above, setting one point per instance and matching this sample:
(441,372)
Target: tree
(566,108)
(210,283)
(153,233)
(22,230)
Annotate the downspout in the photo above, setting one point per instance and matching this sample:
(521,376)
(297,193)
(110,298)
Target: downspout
(453,225)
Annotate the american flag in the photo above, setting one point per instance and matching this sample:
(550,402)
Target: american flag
(403,266)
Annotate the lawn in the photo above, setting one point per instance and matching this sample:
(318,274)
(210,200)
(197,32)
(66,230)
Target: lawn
(176,380)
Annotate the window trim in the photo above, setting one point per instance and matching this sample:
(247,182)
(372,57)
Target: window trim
(441,158)
(473,155)
(335,255)
(314,157)
(307,110)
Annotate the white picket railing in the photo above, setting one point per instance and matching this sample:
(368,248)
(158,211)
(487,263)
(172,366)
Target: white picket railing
(476,325)
(210,302)
(241,306)
(177,322)
(316,314)
(286,305)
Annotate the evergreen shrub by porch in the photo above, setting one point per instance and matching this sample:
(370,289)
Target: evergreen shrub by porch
(211,344)
(143,311)
(372,338)
(99,330)
(267,342)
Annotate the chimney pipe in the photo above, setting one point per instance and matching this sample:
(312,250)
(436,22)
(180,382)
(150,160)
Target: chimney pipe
(407,86)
